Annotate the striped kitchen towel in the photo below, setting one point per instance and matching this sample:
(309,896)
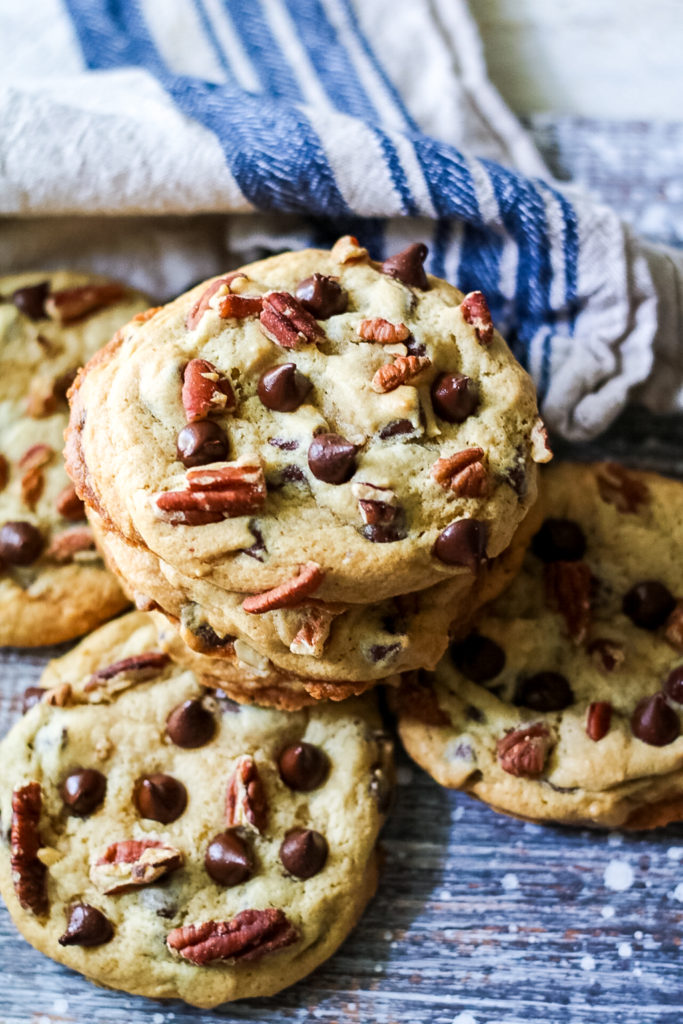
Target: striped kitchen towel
(277,123)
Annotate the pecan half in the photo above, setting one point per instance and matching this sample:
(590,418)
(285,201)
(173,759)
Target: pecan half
(620,488)
(674,627)
(598,719)
(540,448)
(32,486)
(130,863)
(524,751)
(246,803)
(37,456)
(285,321)
(287,594)
(403,370)
(69,505)
(233,489)
(248,936)
(128,671)
(463,473)
(382,331)
(568,591)
(239,306)
(348,249)
(73,303)
(204,390)
(606,654)
(65,545)
(475,310)
(28,873)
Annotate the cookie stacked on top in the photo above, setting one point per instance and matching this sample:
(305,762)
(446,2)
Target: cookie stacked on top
(312,466)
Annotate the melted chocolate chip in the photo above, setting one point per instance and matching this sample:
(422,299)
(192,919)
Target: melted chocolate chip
(20,543)
(31,300)
(228,859)
(83,790)
(673,686)
(292,475)
(545,691)
(210,639)
(383,652)
(284,443)
(303,767)
(258,548)
(462,543)
(190,725)
(408,266)
(559,540)
(454,397)
(396,428)
(86,926)
(655,722)
(648,604)
(322,296)
(282,388)
(478,658)
(303,852)
(385,532)
(32,696)
(332,458)
(160,797)
(202,442)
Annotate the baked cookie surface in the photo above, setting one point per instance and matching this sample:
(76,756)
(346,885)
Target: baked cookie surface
(565,703)
(312,424)
(53,584)
(167,842)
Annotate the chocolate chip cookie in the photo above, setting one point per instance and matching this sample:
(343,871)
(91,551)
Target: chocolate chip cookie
(163,840)
(53,584)
(315,425)
(565,702)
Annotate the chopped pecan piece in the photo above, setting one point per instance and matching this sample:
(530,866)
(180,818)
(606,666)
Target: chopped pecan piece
(146,314)
(598,719)
(381,512)
(314,629)
(540,448)
(382,331)
(248,936)
(417,699)
(128,671)
(463,473)
(568,591)
(233,489)
(4,472)
(133,862)
(69,505)
(403,370)
(246,803)
(475,310)
(73,303)
(37,456)
(205,391)
(674,627)
(202,304)
(348,249)
(620,488)
(287,594)
(58,696)
(285,321)
(239,306)
(28,872)
(65,545)
(606,654)
(524,751)
(33,480)
(41,400)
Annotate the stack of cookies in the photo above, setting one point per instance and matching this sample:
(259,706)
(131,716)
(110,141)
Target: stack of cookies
(312,476)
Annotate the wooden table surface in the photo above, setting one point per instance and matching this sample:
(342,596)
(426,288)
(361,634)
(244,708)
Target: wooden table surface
(479,919)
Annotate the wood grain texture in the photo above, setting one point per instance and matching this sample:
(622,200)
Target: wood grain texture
(479,919)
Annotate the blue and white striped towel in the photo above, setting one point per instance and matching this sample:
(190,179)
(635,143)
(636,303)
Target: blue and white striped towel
(305,119)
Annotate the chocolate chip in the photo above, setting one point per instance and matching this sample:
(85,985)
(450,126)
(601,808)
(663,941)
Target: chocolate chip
(655,722)
(559,540)
(32,696)
(396,428)
(210,640)
(545,691)
(86,926)
(284,443)
(383,652)
(322,296)
(83,790)
(478,658)
(258,548)
(332,458)
(20,543)
(282,388)
(228,859)
(303,852)
(462,543)
(190,725)
(408,266)
(202,442)
(31,300)
(390,525)
(673,686)
(303,767)
(292,475)
(160,797)
(648,604)
(454,397)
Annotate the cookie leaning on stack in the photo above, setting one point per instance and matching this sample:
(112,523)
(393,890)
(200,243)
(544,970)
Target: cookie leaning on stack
(565,702)
(275,454)
(53,585)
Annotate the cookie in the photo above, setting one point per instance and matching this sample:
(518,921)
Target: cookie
(315,424)
(53,584)
(565,703)
(171,843)
(331,649)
